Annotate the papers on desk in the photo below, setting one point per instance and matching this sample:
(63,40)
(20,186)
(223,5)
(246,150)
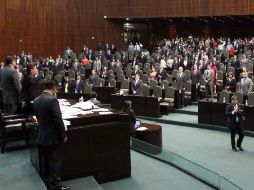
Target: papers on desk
(100,110)
(80,108)
(141,129)
(85,105)
(105,113)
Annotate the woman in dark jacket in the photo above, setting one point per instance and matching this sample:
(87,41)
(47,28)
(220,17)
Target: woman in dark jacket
(231,83)
(127,109)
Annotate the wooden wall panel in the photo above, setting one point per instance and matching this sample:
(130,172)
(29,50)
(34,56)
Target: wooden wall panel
(179,8)
(47,27)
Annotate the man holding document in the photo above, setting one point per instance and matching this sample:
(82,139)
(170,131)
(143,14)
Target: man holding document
(51,135)
(234,113)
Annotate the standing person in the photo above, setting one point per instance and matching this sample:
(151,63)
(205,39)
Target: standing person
(137,86)
(11,86)
(51,135)
(234,115)
(180,80)
(209,77)
(97,65)
(128,109)
(30,87)
(195,82)
(246,85)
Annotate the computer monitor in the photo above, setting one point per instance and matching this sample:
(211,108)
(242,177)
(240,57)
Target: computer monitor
(137,124)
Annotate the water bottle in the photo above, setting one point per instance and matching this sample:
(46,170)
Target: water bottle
(109,84)
(163,86)
(246,102)
(100,84)
(76,91)
(81,99)
(224,100)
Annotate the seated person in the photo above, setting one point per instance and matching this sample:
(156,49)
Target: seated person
(127,109)
(137,86)
(93,99)
(231,83)
(93,78)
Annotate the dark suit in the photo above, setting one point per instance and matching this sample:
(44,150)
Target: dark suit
(231,85)
(76,66)
(51,134)
(93,79)
(80,86)
(11,89)
(137,86)
(30,90)
(234,123)
(180,81)
(162,74)
(187,66)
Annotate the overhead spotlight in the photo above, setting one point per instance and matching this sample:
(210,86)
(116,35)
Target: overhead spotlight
(105,16)
(127,19)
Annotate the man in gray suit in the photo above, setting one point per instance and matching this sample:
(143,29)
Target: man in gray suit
(208,78)
(245,85)
(11,86)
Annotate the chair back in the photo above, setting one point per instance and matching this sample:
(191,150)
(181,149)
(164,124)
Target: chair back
(112,82)
(153,84)
(164,84)
(169,79)
(188,74)
(220,76)
(145,90)
(125,84)
(157,92)
(82,72)
(71,74)
(174,73)
(239,96)
(88,66)
(88,88)
(59,79)
(49,72)
(251,99)
(144,78)
(61,73)
(224,97)
(48,77)
(120,78)
(169,94)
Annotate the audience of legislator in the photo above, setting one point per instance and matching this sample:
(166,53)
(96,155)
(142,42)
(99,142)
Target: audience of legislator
(192,67)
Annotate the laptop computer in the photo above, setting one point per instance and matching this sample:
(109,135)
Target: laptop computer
(137,124)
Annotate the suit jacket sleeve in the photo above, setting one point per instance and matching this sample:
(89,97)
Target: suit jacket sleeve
(16,81)
(140,87)
(229,110)
(250,86)
(58,121)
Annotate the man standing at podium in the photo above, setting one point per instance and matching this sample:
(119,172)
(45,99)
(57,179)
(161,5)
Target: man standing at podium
(51,135)
(234,113)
